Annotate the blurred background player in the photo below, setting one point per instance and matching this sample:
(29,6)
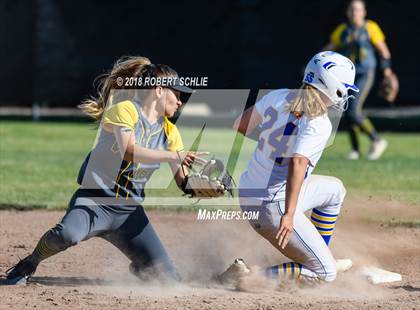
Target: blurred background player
(358,39)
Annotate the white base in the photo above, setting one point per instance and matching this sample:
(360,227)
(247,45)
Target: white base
(376,275)
(343,264)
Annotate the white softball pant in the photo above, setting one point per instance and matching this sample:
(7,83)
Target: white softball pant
(306,247)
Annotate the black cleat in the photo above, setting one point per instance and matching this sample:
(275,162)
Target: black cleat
(20,273)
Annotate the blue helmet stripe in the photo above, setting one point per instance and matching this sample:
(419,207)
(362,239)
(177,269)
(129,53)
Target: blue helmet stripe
(352,87)
(329,65)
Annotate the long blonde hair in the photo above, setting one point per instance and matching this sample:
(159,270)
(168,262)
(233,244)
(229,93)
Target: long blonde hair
(307,100)
(125,67)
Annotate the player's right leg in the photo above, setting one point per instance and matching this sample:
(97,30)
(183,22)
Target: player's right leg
(135,236)
(79,223)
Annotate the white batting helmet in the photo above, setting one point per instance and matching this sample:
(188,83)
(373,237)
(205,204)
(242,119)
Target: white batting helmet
(332,74)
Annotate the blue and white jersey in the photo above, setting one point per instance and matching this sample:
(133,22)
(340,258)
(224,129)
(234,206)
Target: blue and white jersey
(283,133)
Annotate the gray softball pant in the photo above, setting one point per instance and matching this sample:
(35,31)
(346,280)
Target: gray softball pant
(126,227)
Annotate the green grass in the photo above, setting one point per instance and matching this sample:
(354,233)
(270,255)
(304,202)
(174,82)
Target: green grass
(396,176)
(39,163)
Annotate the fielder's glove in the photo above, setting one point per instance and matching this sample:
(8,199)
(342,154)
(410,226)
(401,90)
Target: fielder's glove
(389,87)
(213,180)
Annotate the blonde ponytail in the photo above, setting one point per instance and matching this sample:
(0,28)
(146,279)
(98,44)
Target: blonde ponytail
(309,101)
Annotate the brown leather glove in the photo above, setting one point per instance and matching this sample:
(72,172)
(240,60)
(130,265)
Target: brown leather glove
(389,87)
(211,182)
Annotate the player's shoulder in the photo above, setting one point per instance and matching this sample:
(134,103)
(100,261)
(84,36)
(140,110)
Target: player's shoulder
(277,93)
(375,32)
(373,28)
(173,135)
(126,106)
(271,101)
(168,123)
(339,29)
(341,26)
(276,97)
(170,128)
(123,109)
(123,104)
(122,113)
(371,23)
(335,37)
(319,125)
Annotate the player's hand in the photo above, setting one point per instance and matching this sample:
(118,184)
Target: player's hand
(387,72)
(190,158)
(285,230)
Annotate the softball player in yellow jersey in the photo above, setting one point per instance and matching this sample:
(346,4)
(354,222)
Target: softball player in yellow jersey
(135,137)
(358,39)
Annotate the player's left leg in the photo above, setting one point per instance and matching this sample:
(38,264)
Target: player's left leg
(357,121)
(350,116)
(135,236)
(83,219)
(365,83)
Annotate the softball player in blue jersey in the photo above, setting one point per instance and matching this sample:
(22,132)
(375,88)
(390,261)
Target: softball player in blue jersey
(135,136)
(292,129)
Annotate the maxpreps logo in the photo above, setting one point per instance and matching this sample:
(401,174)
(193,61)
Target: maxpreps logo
(219,214)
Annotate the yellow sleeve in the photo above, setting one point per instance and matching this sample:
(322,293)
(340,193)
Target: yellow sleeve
(123,114)
(375,33)
(336,34)
(174,137)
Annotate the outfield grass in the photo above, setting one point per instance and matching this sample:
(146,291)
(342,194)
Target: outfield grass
(39,163)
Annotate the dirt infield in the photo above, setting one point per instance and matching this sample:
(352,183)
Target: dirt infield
(94,275)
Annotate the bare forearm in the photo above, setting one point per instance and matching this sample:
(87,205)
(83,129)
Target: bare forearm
(384,58)
(138,154)
(247,122)
(180,172)
(295,178)
(383,50)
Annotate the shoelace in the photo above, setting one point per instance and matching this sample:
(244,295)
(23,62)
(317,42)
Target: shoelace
(11,268)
